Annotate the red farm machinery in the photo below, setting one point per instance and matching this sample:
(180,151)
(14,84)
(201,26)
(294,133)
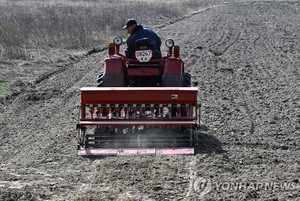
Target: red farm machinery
(141,106)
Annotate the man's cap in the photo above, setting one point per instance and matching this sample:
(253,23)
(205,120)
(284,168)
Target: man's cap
(129,23)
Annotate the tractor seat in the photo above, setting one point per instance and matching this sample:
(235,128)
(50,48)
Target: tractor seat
(142,44)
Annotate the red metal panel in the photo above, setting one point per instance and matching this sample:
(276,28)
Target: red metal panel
(173,66)
(137,95)
(137,122)
(142,72)
(113,65)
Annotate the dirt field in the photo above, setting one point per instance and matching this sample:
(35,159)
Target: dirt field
(244,57)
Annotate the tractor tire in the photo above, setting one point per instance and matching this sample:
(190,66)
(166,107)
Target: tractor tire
(100,84)
(186,80)
(100,80)
(177,81)
(107,82)
(110,80)
(172,80)
(186,83)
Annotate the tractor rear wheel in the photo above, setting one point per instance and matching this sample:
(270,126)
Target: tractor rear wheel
(186,80)
(100,80)
(177,81)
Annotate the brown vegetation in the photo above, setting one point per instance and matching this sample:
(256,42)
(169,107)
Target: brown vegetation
(31,28)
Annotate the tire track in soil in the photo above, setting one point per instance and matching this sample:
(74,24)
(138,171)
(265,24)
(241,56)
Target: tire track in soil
(192,177)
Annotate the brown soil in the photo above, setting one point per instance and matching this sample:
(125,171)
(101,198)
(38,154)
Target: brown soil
(245,59)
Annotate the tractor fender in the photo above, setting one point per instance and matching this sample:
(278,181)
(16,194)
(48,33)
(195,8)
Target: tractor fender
(174,66)
(173,73)
(113,73)
(113,65)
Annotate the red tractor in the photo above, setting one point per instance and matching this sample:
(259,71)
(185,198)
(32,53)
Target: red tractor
(143,105)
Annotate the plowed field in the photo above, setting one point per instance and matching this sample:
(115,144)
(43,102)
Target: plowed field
(245,59)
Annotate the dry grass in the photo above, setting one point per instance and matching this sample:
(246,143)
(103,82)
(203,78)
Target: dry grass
(4,86)
(29,28)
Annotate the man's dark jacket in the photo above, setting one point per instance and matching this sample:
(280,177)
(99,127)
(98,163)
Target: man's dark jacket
(140,32)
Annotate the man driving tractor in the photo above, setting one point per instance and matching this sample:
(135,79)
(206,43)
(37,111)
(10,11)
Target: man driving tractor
(137,37)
